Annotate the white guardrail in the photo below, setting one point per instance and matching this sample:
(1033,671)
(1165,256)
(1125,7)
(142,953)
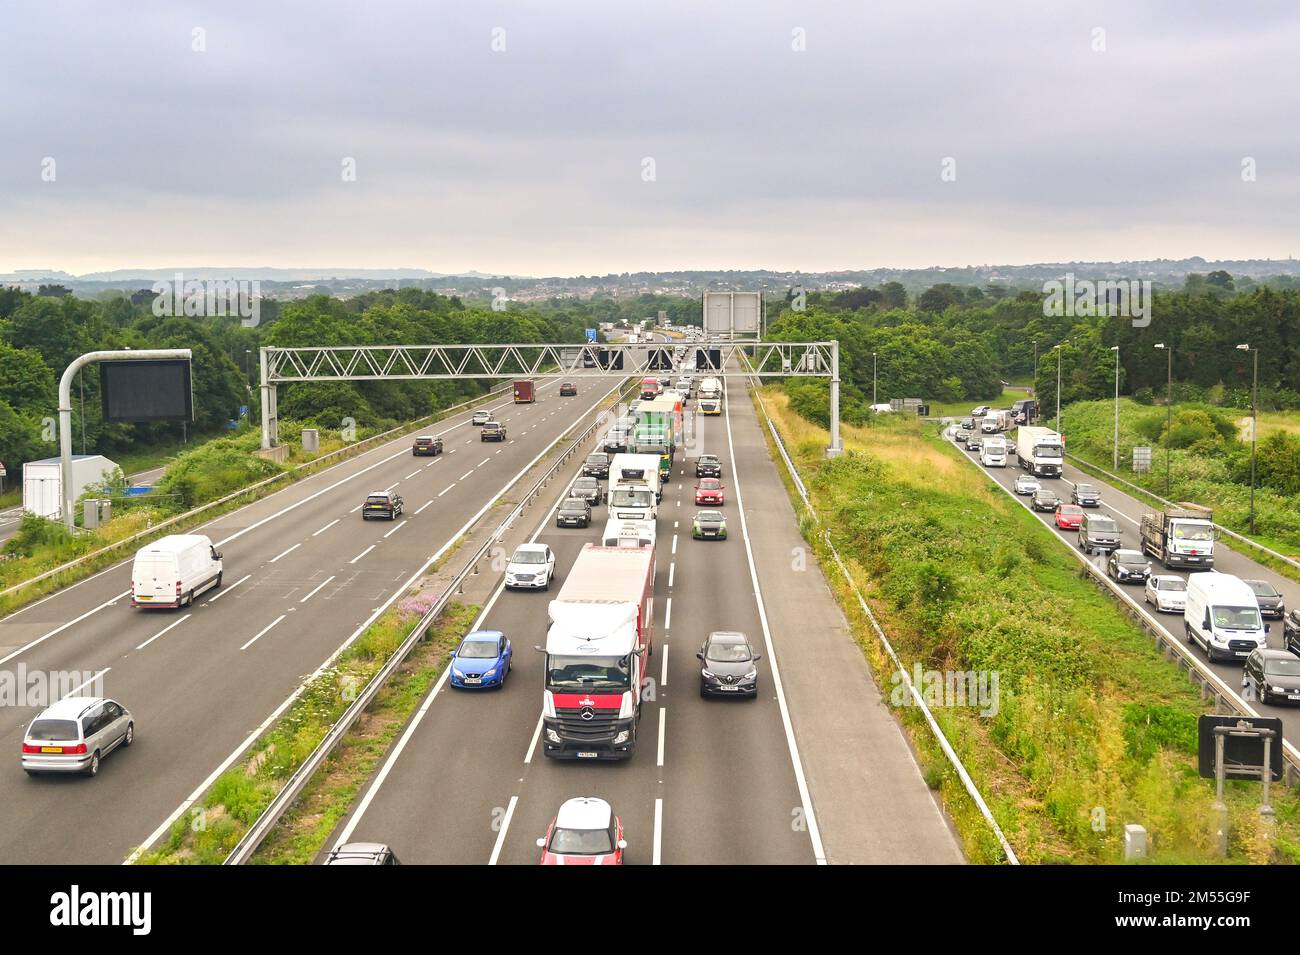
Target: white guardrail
(967,783)
(350,450)
(287,796)
(1156,497)
(1197,670)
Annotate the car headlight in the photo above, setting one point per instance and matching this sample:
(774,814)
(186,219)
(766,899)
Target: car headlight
(707,674)
(491,672)
(622,737)
(752,674)
(552,736)
(457,672)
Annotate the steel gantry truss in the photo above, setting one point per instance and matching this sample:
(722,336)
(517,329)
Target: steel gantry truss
(722,358)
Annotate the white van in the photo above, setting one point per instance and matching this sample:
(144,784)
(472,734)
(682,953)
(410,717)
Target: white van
(1222,615)
(628,533)
(171,571)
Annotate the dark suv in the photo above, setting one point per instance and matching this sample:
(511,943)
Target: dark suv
(1098,532)
(426,445)
(596,465)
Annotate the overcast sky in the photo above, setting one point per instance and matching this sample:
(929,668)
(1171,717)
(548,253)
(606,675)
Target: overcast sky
(533,159)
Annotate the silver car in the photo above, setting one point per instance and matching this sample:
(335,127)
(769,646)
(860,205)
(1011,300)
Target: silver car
(74,734)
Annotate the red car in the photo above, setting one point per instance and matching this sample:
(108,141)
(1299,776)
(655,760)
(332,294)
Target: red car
(1069,517)
(709,491)
(584,832)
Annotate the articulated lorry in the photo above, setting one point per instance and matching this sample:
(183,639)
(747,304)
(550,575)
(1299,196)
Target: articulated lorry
(1181,535)
(598,650)
(1040,451)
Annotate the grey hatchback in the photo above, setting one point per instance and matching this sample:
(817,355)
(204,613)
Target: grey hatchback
(74,734)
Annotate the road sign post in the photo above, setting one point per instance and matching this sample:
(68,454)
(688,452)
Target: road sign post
(1239,747)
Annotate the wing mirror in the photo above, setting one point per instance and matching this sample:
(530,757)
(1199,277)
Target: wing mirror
(622,843)
(541,843)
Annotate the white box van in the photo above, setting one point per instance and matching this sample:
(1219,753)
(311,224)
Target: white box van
(171,571)
(628,533)
(1222,615)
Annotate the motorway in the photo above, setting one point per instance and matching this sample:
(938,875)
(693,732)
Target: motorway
(303,576)
(790,777)
(1128,512)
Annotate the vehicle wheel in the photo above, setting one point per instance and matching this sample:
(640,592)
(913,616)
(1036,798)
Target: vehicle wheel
(93,768)
(129,738)
(217,585)
(1187,631)
(29,772)
(1262,693)
(189,600)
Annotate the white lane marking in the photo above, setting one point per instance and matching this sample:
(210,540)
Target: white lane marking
(663,716)
(65,626)
(810,816)
(391,486)
(411,475)
(227,590)
(663,679)
(423,506)
(466,474)
(674,545)
(164,630)
(668,611)
(432,463)
(454,450)
(327,527)
(672,568)
(362,554)
(498,450)
(285,552)
(82,686)
(316,589)
(505,826)
(357,508)
(659,833)
(675,523)
(447,488)
(265,630)
(395,530)
(532,744)
(483,462)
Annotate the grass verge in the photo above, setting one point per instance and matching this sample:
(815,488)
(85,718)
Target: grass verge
(1092,727)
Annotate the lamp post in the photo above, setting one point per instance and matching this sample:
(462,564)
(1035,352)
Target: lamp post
(1059,350)
(1169,401)
(1115,349)
(1035,363)
(1254,426)
(873,378)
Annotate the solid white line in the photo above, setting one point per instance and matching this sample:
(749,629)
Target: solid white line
(663,680)
(226,590)
(810,816)
(317,589)
(327,527)
(532,744)
(423,506)
(62,627)
(164,630)
(447,488)
(668,611)
(672,568)
(362,554)
(395,530)
(264,631)
(663,716)
(87,683)
(659,832)
(505,827)
(283,553)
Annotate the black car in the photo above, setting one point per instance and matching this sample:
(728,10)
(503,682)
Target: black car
(1272,675)
(1128,567)
(708,465)
(587,488)
(1269,598)
(382,504)
(1291,631)
(568,389)
(425,446)
(1098,532)
(573,512)
(729,665)
(1086,495)
(493,431)
(596,465)
(1045,500)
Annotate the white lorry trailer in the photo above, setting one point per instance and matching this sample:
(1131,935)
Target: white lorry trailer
(1040,451)
(43,481)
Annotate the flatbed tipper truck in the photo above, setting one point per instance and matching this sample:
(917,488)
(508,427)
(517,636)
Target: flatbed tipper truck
(598,650)
(1181,535)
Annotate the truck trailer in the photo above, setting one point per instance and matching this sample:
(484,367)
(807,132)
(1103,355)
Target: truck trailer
(1181,535)
(43,482)
(598,650)
(1040,451)
(524,393)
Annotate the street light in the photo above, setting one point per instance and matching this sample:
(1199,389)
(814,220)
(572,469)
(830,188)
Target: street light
(873,378)
(1115,349)
(1059,349)
(1254,426)
(1169,401)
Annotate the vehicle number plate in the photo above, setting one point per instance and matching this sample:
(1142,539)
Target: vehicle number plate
(472,679)
(587,755)
(51,749)
(728,689)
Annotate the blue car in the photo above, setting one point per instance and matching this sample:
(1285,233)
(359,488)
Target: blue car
(481,660)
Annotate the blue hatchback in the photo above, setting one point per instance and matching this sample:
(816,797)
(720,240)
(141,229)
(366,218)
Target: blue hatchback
(482,659)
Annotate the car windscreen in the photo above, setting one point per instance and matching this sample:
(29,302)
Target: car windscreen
(1236,618)
(1282,667)
(709,517)
(727,653)
(574,505)
(478,650)
(1192,532)
(1103,525)
(1262,588)
(54,730)
(1172,583)
(588,673)
(1130,558)
(582,842)
(598,459)
(627,497)
(1047,451)
(528,557)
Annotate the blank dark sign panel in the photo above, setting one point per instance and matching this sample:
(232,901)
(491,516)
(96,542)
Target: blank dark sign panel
(146,390)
